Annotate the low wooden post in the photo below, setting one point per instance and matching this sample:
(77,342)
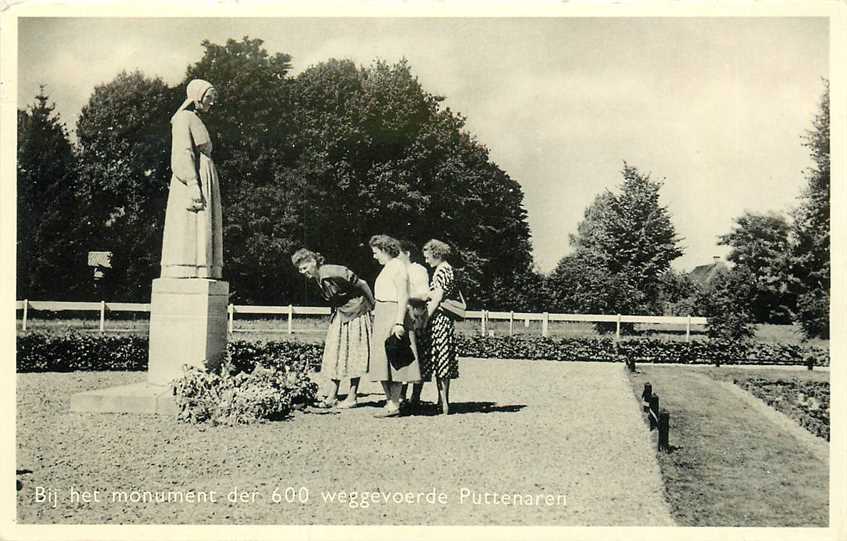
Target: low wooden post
(290,319)
(102,316)
(526,322)
(545,325)
(688,329)
(664,428)
(26,306)
(618,329)
(646,394)
(231,311)
(654,411)
(511,322)
(483,323)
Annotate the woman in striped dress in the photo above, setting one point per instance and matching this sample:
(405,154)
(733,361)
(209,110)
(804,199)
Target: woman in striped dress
(350,335)
(439,345)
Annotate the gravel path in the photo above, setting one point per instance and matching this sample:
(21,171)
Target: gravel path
(540,430)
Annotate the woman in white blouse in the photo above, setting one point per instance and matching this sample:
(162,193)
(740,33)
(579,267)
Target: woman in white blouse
(391,291)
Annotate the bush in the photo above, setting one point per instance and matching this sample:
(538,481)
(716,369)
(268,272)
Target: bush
(232,397)
(45,353)
(643,350)
(727,304)
(41,352)
(813,313)
(247,355)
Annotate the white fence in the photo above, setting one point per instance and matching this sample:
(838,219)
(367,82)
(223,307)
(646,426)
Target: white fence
(484,316)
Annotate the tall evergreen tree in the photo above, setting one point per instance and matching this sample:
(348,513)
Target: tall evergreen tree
(51,262)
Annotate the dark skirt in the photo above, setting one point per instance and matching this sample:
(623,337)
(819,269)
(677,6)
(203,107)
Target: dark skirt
(438,348)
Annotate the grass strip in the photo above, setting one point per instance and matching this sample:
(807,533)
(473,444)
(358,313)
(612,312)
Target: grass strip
(729,465)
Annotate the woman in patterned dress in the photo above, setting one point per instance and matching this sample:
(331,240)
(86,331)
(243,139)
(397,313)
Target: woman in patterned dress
(348,340)
(391,291)
(192,245)
(439,344)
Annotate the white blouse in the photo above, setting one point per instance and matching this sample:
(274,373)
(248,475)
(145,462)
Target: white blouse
(384,288)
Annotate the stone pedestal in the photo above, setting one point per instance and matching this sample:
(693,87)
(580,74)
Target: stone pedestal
(188,325)
(135,398)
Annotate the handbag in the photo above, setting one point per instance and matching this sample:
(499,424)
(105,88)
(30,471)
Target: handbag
(455,308)
(399,351)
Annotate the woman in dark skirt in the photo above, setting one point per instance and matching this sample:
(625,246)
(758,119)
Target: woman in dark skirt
(416,318)
(391,291)
(439,342)
(348,340)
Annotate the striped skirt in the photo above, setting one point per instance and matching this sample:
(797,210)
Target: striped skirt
(347,347)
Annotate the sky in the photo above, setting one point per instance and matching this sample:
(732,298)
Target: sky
(716,108)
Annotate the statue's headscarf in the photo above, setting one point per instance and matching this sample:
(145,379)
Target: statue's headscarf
(194,92)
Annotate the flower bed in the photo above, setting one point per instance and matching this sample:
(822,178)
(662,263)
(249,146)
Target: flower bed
(232,397)
(807,402)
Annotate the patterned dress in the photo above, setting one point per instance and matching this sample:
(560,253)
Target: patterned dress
(439,343)
(348,339)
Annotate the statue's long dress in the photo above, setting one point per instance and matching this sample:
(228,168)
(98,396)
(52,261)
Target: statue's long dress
(193,241)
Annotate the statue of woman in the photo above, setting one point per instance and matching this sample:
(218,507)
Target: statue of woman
(193,240)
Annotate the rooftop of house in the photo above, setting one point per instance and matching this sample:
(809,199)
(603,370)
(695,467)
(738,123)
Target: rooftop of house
(704,274)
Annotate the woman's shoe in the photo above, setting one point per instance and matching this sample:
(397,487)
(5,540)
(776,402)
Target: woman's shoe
(347,404)
(411,406)
(386,412)
(326,404)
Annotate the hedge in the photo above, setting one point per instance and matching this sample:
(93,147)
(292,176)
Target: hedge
(41,352)
(640,350)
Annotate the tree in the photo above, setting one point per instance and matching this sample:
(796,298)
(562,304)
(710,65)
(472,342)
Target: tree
(324,159)
(727,304)
(373,152)
(50,260)
(256,149)
(810,233)
(622,247)
(124,167)
(679,294)
(760,244)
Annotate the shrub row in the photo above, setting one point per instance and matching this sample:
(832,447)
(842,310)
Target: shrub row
(38,352)
(641,350)
(45,352)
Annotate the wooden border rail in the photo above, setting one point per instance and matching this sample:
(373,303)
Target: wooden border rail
(291,311)
(659,419)
(484,316)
